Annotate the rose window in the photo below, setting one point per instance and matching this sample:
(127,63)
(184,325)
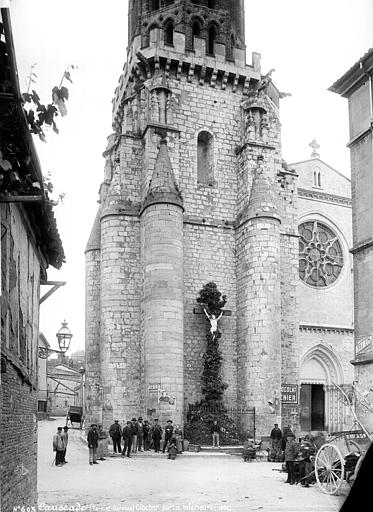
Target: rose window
(320,254)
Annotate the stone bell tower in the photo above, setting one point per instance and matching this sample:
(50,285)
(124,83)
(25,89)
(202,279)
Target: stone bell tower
(193,192)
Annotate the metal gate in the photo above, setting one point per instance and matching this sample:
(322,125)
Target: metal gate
(237,423)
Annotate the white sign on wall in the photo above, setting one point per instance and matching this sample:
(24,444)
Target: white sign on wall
(363,345)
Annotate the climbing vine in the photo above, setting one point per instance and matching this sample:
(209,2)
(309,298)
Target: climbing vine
(17,173)
(213,387)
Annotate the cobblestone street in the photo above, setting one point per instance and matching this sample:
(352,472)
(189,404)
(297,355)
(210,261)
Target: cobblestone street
(151,482)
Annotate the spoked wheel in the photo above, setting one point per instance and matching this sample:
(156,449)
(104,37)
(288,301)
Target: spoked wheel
(329,468)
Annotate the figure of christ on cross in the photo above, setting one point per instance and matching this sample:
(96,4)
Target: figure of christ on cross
(213,321)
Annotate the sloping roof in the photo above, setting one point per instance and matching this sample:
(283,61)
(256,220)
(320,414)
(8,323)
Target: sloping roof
(323,163)
(355,75)
(15,134)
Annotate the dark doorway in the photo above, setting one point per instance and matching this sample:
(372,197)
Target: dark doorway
(312,407)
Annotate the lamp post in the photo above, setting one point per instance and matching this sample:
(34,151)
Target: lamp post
(82,373)
(64,337)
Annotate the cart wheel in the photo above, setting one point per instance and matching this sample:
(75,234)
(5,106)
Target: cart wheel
(329,468)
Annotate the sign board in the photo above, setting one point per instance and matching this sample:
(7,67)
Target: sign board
(153,387)
(289,393)
(363,345)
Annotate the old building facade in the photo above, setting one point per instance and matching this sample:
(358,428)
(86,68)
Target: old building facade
(195,190)
(357,86)
(325,294)
(30,243)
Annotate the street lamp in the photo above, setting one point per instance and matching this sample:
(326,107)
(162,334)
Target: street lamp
(64,337)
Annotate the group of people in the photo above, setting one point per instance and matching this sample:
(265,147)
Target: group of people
(134,436)
(286,448)
(60,442)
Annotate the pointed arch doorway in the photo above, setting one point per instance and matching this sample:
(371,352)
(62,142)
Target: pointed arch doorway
(320,407)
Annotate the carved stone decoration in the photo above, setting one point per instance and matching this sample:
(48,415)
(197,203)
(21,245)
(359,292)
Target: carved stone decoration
(160,93)
(264,127)
(250,126)
(320,254)
(154,106)
(257,124)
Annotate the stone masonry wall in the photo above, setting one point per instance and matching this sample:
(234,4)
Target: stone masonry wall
(163,309)
(120,317)
(209,255)
(92,333)
(259,367)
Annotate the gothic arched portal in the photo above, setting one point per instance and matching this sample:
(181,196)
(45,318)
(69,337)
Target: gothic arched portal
(320,405)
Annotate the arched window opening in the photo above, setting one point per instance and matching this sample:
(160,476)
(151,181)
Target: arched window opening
(211,41)
(314,178)
(169,33)
(232,46)
(205,158)
(154,5)
(319,179)
(196,30)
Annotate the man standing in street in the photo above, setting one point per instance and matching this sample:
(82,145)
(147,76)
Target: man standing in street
(127,439)
(140,434)
(58,447)
(92,439)
(65,437)
(156,433)
(276,438)
(168,431)
(215,431)
(146,435)
(115,432)
(135,431)
(291,452)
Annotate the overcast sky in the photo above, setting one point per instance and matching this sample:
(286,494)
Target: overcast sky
(310,45)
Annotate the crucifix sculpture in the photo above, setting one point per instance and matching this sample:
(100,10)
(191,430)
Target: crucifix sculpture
(213,321)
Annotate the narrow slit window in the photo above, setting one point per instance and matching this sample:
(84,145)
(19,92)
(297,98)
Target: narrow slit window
(205,158)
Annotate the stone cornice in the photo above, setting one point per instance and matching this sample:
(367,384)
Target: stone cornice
(360,136)
(254,143)
(326,328)
(199,221)
(323,196)
(362,246)
(368,359)
(204,69)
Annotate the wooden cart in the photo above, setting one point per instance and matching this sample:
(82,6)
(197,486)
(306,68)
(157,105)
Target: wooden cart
(75,415)
(339,459)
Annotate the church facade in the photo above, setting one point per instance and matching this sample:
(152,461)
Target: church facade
(196,190)
(325,295)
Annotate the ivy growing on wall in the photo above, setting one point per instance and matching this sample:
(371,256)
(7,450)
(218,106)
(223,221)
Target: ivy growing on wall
(212,301)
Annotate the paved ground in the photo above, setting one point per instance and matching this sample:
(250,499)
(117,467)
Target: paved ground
(152,483)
